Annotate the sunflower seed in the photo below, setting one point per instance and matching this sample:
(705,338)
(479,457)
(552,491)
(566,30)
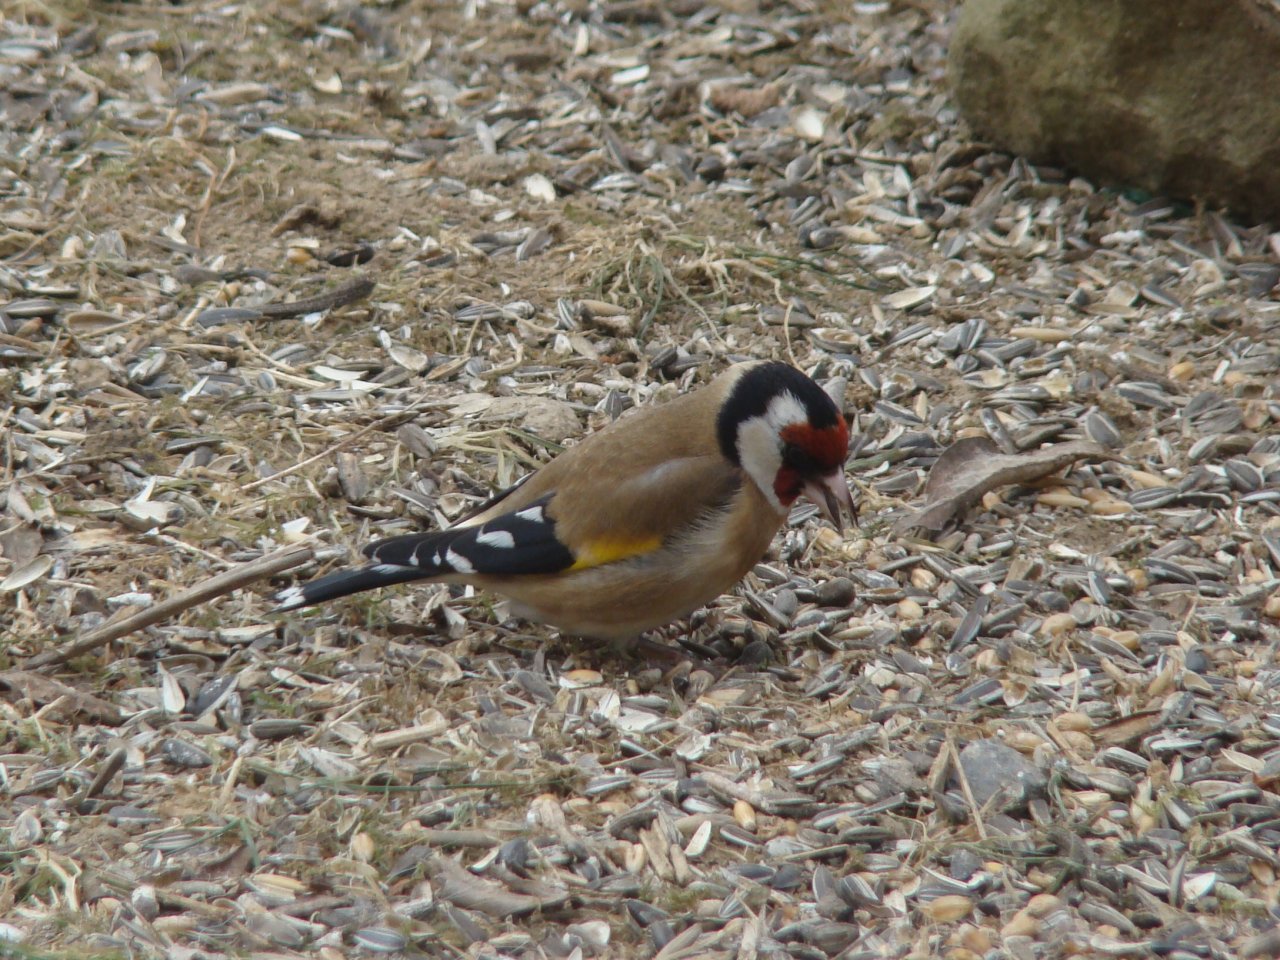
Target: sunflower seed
(1145,394)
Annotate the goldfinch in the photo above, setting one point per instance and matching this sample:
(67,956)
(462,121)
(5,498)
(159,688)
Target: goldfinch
(642,522)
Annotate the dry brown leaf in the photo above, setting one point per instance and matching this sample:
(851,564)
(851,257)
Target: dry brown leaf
(973,466)
(1117,733)
(235,863)
(22,684)
(459,886)
(747,101)
(21,543)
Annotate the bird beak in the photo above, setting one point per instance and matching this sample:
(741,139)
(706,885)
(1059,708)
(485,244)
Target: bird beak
(831,493)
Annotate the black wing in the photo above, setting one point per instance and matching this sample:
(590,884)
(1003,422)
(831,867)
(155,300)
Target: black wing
(521,542)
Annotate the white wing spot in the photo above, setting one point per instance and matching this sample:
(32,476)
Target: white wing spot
(413,557)
(388,569)
(501,539)
(532,514)
(291,597)
(458,562)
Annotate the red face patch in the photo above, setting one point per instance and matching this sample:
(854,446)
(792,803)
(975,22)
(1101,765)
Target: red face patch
(827,446)
(787,486)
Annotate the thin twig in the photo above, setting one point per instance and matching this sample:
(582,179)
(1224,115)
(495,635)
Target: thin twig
(966,790)
(228,791)
(108,769)
(239,576)
(7,474)
(390,419)
(786,334)
(341,295)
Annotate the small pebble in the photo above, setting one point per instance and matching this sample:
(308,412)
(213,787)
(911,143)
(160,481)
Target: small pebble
(976,939)
(1074,720)
(1057,625)
(1062,498)
(947,908)
(923,578)
(1271,606)
(1109,507)
(1023,924)
(1043,904)
(836,592)
(909,610)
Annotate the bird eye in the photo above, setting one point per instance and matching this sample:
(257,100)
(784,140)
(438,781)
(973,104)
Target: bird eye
(799,459)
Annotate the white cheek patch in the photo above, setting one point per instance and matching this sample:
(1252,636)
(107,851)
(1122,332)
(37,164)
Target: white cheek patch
(760,455)
(760,442)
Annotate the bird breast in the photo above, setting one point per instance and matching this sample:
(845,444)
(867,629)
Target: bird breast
(623,599)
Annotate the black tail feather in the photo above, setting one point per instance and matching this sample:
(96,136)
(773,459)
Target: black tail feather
(342,583)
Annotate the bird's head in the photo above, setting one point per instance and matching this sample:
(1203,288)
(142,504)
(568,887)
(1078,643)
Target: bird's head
(788,436)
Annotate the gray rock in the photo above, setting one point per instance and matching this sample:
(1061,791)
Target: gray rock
(996,771)
(1180,97)
(183,754)
(964,864)
(836,592)
(894,775)
(550,419)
